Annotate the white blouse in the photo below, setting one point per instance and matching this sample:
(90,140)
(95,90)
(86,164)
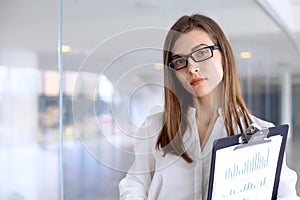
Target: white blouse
(156,177)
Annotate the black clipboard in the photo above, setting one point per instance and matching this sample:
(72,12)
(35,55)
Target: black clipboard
(227,142)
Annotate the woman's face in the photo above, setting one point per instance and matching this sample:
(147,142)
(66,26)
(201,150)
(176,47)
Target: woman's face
(198,78)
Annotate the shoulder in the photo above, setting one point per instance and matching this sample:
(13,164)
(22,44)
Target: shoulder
(260,122)
(151,127)
(154,120)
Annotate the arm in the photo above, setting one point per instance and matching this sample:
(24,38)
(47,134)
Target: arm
(287,183)
(288,177)
(136,183)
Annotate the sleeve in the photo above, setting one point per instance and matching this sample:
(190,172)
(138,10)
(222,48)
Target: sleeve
(287,183)
(288,177)
(137,181)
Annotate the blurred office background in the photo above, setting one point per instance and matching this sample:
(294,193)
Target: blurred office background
(112,79)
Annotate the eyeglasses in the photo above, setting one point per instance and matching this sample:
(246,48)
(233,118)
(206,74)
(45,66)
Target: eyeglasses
(198,55)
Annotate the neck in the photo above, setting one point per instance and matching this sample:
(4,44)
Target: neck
(207,112)
(207,106)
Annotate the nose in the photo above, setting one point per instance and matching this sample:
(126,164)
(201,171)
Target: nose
(192,66)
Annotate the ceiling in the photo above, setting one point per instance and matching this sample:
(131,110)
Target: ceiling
(124,38)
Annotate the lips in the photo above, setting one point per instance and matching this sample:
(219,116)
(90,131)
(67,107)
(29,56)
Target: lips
(197,81)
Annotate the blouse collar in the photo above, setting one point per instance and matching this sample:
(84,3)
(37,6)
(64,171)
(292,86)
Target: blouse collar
(191,112)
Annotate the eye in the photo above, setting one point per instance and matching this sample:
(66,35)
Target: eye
(179,61)
(202,52)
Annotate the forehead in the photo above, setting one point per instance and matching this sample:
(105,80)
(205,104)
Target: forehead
(188,40)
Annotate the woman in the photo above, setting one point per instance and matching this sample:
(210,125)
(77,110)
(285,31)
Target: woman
(203,102)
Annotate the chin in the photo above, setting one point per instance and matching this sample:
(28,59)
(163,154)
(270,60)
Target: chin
(200,94)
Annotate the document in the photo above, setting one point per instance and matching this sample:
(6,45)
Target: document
(246,173)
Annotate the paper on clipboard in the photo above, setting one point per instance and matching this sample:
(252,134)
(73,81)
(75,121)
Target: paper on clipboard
(247,173)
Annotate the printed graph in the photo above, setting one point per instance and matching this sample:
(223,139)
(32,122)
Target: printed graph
(247,187)
(257,162)
(246,173)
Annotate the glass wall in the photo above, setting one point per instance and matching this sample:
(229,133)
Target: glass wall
(112,80)
(29,154)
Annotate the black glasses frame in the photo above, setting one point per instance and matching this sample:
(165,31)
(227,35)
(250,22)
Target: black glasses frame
(190,55)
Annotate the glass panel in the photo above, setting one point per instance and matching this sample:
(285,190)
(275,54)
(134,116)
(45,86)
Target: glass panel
(29,154)
(112,81)
(117,85)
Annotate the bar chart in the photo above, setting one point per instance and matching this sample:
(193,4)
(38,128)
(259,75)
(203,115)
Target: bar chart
(246,173)
(246,187)
(257,162)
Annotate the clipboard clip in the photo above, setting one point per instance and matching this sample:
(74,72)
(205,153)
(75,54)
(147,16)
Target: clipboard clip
(252,136)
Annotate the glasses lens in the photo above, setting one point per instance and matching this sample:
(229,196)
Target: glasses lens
(202,54)
(178,63)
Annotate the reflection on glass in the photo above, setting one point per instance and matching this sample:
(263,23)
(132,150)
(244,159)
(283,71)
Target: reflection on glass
(29,156)
(99,116)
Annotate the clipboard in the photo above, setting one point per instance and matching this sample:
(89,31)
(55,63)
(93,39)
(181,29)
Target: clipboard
(248,165)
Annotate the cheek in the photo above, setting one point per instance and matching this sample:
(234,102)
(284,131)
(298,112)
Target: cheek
(183,80)
(181,77)
(220,70)
(219,66)
(219,73)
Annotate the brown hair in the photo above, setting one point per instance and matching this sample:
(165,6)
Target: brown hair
(177,99)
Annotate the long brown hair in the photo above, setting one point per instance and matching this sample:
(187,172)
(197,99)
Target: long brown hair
(177,99)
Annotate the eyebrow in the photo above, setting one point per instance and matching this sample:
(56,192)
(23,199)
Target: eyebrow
(198,46)
(193,49)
